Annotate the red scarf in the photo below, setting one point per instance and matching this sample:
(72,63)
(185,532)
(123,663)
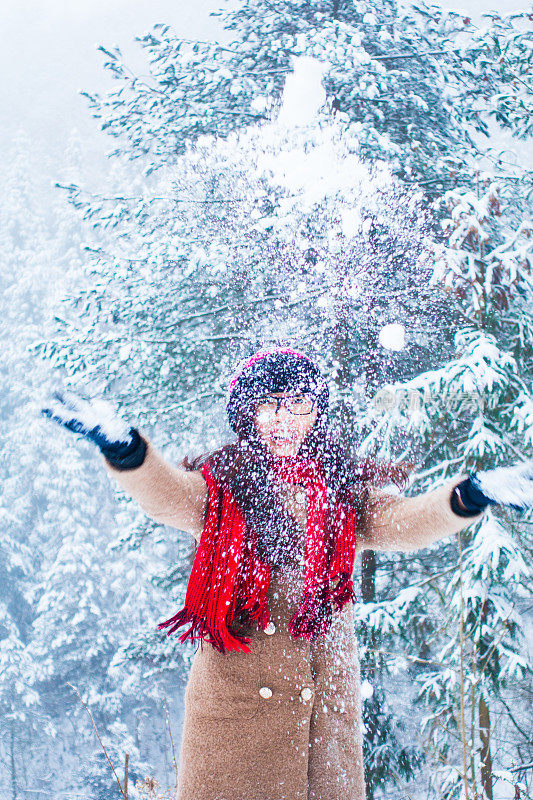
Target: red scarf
(228,579)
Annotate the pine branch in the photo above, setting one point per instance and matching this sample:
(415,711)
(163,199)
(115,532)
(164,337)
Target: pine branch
(416,55)
(521,767)
(515,723)
(493,648)
(174,762)
(124,795)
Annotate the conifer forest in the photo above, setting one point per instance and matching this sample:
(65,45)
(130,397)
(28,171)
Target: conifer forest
(349,178)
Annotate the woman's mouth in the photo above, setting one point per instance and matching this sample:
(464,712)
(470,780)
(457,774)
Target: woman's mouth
(280,439)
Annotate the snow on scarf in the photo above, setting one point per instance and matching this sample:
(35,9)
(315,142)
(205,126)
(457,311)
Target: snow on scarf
(228,579)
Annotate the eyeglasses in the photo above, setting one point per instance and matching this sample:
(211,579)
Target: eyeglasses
(295,404)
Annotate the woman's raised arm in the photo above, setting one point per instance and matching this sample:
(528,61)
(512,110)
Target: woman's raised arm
(394,522)
(167,494)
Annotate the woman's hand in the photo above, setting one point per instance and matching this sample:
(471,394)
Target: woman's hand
(167,494)
(96,421)
(510,486)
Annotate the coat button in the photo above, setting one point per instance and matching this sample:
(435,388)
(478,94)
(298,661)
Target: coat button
(300,497)
(265,692)
(270,628)
(306,693)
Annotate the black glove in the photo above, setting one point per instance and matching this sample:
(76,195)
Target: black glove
(96,421)
(511,486)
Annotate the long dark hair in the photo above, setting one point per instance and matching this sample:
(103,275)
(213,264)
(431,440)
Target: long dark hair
(242,466)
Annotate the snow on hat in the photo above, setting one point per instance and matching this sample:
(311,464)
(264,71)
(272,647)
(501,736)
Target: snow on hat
(274,370)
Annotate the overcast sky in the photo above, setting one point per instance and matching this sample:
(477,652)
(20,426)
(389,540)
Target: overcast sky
(48,53)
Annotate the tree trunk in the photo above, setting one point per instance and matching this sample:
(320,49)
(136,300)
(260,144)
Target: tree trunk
(486,759)
(368,576)
(13,769)
(342,379)
(368,562)
(484,720)
(126,775)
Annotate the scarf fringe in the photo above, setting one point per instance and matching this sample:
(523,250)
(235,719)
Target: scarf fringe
(257,609)
(229,583)
(313,616)
(221,640)
(343,592)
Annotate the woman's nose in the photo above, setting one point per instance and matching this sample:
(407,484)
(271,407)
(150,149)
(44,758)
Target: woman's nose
(283,411)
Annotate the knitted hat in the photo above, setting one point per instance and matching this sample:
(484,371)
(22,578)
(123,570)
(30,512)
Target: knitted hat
(275,370)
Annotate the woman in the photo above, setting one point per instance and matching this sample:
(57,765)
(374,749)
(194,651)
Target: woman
(272,705)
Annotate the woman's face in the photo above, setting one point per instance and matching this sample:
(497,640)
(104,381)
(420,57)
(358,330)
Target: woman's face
(282,431)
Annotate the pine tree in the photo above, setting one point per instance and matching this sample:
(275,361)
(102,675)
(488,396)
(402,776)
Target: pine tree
(22,226)
(386,73)
(72,600)
(203,297)
(475,412)
(185,272)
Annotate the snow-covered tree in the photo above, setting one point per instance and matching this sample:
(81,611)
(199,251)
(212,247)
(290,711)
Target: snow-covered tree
(474,412)
(243,234)
(24,238)
(416,81)
(274,234)
(74,597)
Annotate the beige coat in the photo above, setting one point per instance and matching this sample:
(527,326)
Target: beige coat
(282,722)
